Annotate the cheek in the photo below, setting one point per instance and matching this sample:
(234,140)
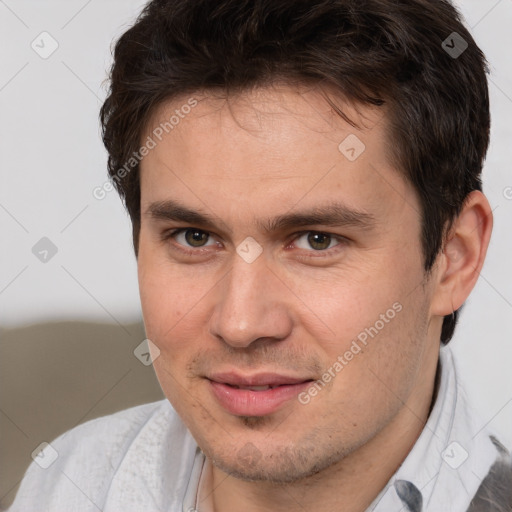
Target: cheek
(171,301)
(380,321)
(375,378)
(350,303)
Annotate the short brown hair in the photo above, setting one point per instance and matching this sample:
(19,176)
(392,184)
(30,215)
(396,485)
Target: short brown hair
(413,56)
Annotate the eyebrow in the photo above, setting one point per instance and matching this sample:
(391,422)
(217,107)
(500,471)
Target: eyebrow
(333,215)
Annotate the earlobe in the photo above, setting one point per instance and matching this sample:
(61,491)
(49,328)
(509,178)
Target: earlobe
(463,254)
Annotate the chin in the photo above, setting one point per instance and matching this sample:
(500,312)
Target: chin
(283,465)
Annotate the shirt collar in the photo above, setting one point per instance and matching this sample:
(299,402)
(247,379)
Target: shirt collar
(445,467)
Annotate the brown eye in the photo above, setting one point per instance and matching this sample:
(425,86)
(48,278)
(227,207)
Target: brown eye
(319,241)
(196,238)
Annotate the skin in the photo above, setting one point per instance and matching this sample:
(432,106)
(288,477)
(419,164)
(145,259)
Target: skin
(296,308)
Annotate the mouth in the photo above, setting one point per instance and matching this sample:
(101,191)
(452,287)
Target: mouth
(256,395)
(254,388)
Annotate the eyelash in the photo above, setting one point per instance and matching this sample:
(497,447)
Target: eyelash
(168,235)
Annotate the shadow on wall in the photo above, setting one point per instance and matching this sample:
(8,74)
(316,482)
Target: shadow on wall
(55,376)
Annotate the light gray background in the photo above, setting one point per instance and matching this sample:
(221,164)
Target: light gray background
(51,158)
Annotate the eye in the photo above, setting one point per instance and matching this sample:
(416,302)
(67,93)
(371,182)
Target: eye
(192,237)
(317,241)
(191,240)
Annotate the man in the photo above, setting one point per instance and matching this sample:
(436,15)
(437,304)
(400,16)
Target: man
(303,179)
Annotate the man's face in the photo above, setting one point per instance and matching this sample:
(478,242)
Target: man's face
(264,290)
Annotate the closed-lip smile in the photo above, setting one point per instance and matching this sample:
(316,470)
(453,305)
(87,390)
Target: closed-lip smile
(255,395)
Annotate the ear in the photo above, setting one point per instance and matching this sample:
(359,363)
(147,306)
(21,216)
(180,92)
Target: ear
(463,255)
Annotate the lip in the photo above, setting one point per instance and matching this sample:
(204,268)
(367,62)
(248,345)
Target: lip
(245,402)
(259,379)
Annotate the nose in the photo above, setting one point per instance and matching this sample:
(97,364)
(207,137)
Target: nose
(252,304)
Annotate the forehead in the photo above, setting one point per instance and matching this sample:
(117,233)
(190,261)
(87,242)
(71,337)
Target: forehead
(270,148)
(278,116)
